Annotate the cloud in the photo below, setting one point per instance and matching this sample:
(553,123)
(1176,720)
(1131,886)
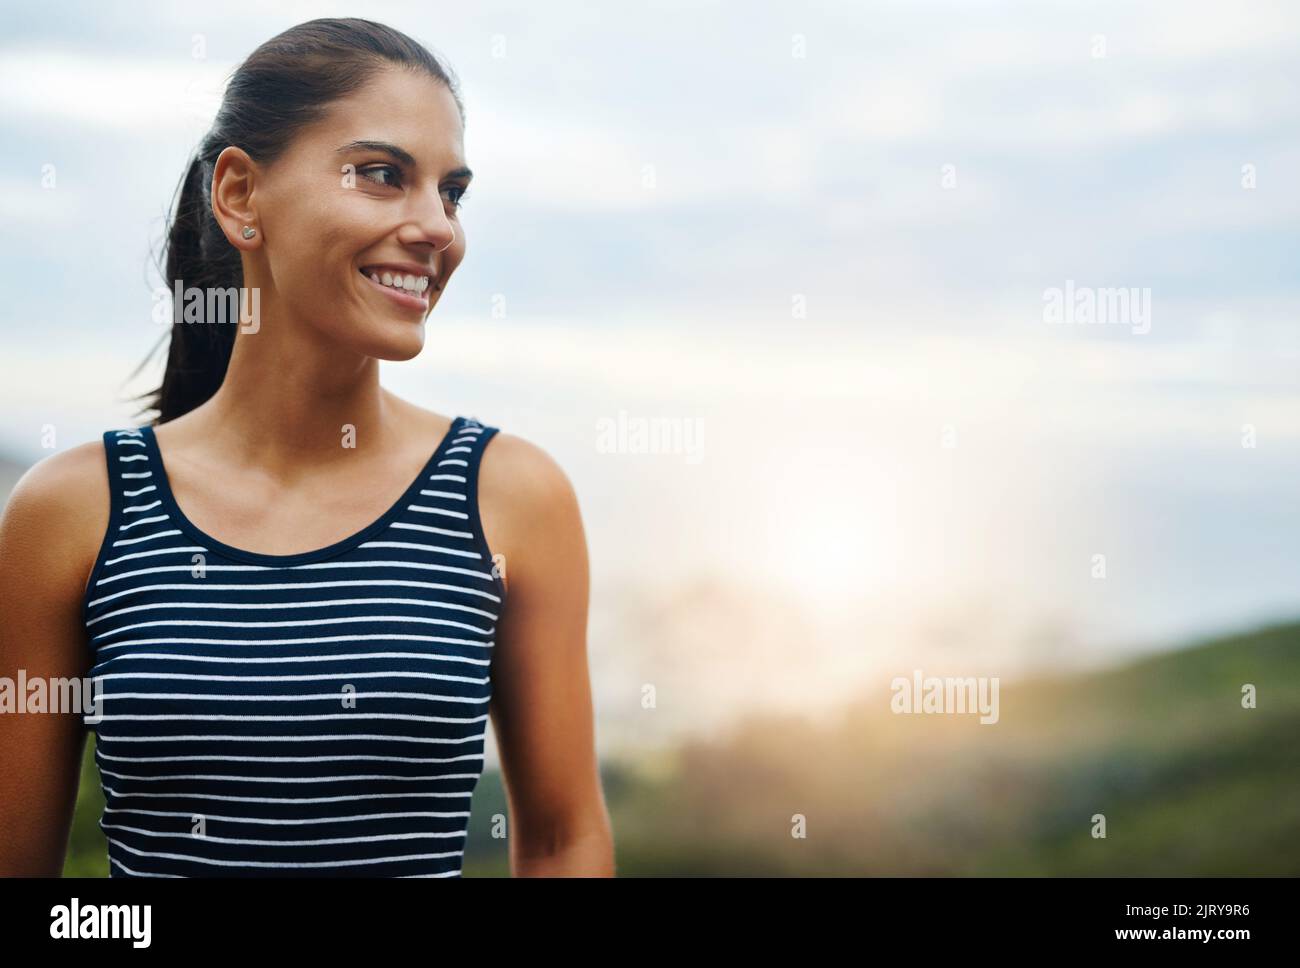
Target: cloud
(105,90)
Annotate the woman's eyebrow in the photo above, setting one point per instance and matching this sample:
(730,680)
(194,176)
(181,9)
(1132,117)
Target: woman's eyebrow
(401,154)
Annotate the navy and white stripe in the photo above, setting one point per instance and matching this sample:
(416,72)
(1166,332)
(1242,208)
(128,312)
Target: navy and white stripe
(316,714)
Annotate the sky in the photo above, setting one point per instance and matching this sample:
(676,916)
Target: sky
(827,238)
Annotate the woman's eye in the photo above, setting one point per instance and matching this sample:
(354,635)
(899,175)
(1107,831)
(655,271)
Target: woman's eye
(393,178)
(458,193)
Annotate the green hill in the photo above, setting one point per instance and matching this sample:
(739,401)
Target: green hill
(1189,782)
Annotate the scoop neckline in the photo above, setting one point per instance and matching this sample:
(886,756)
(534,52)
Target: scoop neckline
(302,557)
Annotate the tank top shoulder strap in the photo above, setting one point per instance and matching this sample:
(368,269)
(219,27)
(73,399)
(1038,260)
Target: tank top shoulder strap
(465,451)
(130,470)
(470,437)
(132,492)
(460,464)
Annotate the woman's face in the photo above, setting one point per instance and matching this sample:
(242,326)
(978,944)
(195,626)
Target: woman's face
(375,185)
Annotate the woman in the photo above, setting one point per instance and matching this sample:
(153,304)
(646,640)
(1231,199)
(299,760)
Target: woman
(290,589)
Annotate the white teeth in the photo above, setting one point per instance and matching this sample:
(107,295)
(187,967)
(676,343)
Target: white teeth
(409,283)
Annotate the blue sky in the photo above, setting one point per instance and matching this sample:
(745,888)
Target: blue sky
(657,186)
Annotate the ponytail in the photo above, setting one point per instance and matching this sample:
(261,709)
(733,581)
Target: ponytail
(197,254)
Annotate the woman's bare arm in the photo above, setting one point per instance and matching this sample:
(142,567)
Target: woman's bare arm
(541,701)
(50,532)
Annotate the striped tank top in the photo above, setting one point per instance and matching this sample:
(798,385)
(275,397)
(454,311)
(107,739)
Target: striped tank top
(314,714)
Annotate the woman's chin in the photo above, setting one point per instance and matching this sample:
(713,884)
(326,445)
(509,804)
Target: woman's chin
(394,341)
(399,350)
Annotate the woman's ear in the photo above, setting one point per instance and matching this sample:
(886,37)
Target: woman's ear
(233,179)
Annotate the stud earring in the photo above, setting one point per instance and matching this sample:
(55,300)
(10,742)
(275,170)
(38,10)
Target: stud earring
(249,231)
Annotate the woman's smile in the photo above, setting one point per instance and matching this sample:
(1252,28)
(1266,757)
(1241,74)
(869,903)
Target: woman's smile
(406,290)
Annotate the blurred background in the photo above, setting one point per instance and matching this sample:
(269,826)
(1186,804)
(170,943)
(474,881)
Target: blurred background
(828,247)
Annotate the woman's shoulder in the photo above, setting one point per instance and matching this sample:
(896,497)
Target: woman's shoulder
(64,481)
(526,500)
(517,465)
(58,511)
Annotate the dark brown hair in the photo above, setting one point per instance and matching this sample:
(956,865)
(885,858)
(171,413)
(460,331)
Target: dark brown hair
(283,86)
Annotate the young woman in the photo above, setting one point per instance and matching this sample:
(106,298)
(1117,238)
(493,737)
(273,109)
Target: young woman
(301,597)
